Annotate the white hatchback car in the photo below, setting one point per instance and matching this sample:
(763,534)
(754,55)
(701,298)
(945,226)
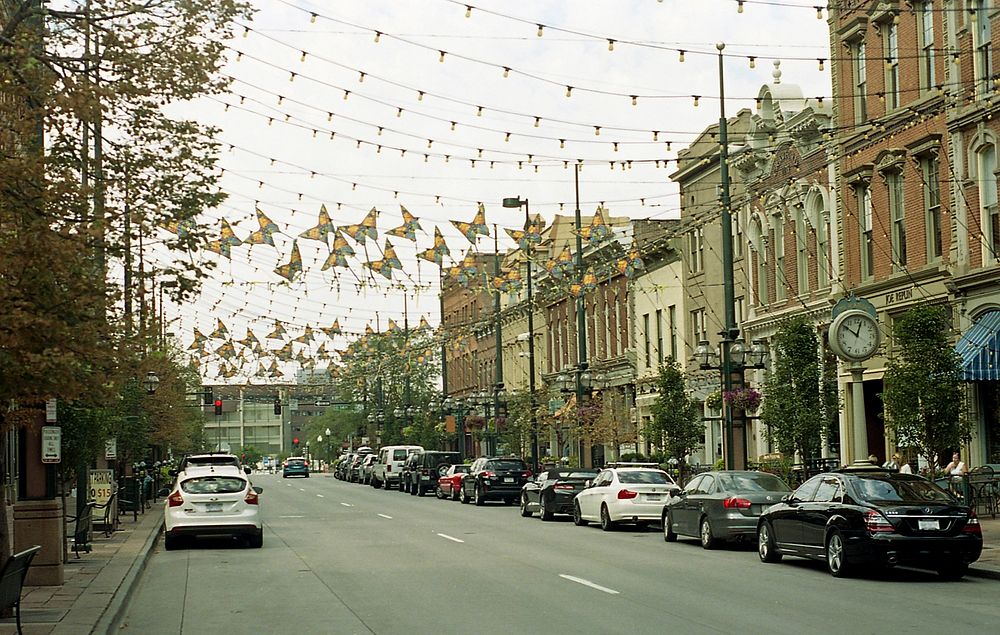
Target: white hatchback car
(213,500)
(620,494)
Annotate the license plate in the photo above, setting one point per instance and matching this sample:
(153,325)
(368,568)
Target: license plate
(508,479)
(928,524)
(652,497)
(213,507)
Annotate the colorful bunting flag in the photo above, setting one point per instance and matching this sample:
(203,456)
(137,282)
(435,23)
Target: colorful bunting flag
(264,235)
(366,229)
(598,231)
(408,229)
(220,331)
(293,267)
(436,253)
(278,333)
(324,227)
(387,263)
(332,330)
(474,229)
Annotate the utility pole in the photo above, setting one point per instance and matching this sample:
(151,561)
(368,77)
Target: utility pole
(491,446)
(581,318)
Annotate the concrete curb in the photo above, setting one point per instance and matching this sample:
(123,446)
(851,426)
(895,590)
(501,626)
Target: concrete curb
(985,571)
(113,615)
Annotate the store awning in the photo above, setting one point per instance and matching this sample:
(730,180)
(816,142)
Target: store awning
(979,348)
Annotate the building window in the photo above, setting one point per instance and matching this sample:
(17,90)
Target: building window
(891,47)
(740,306)
(932,206)
(659,336)
(699,330)
(778,240)
(696,249)
(981,36)
(897,214)
(738,235)
(760,271)
(672,316)
(802,253)
(645,340)
(925,33)
(860,83)
(864,199)
(818,214)
(987,160)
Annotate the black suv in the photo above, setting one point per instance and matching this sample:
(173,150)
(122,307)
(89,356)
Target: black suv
(423,468)
(496,478)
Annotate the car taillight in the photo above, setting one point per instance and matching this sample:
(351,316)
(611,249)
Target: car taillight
(488,474)
(305,463)
(563,486)
(736,503)
(876,523)
(388,467)
(528,474)
(251,498)
(626,494)
(972,525)
(175,500)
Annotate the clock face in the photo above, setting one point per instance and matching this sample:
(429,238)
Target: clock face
(857,335)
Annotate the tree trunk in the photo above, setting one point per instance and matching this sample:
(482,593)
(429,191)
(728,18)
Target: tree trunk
(5,538)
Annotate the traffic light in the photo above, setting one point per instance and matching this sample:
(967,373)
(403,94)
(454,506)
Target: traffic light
(218,407)
(277,405)
(295,442)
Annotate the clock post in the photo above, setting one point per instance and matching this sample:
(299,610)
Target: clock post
(854,336)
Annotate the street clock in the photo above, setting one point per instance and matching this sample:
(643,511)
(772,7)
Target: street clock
(854,335)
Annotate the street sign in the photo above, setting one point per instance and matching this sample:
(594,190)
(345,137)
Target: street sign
(50,411)
(111,448)
(100,486)
(51,444)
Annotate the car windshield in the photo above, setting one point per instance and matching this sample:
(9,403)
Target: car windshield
(644,476)
(875,489)
(296,462)
(212,460)
(506,465)
(399,455)
(213,485)
(752,482)
(461,469)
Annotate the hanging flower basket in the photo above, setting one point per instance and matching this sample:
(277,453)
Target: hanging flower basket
(714,400)
(743,398)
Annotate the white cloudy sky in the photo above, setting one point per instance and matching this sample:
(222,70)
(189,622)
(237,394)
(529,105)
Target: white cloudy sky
(289,168)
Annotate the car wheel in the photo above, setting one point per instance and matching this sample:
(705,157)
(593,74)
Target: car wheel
(462,496)
(401,484)
(708,540)
(578,516)
(307,476)
(606,523)
(668,528)
(414,489)
(386,485)
(170,543)
(954,571)
(420,489)
(284,476)
(479,497)
(525,512)
(438,493)
(544,513)
(836,555)
(454,494)
(766,548)
(256,541)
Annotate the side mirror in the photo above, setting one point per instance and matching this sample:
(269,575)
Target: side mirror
(588,483)
(258,489)
(163,491)
(172,472)
(246,468)
(789,498)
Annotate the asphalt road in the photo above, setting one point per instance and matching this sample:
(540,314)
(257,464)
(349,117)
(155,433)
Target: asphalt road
(343,558)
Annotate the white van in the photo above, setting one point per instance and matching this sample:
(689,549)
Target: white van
(390,463)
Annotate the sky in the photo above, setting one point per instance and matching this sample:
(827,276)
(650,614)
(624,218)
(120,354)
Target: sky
(362,104)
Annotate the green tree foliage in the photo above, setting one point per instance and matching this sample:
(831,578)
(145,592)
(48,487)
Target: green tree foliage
(793,412)
(923,400)
(676,425)
(250,455)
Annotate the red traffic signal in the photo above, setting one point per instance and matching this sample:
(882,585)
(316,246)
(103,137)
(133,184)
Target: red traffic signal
(295,441)
(218,407)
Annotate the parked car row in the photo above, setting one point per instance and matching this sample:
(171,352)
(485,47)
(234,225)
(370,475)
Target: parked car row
(859,517)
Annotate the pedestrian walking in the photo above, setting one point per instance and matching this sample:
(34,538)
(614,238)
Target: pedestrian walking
(957,466)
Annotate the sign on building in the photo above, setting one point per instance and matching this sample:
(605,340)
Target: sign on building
(51,444)
(50,411)
(111,449)
(101,485)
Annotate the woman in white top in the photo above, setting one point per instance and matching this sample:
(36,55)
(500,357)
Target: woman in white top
(957,466)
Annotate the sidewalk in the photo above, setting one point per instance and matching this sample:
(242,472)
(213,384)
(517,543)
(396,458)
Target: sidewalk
(98,584)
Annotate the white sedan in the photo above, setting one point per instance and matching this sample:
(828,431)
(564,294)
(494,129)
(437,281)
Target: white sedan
(212,501)
(623,495)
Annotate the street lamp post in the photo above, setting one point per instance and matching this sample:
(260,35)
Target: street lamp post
(456,406)
(329,447)
(734,359)
(516,202)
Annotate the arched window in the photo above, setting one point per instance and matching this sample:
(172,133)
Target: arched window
(758,247)
(986,167)
(801,251)
(816,214)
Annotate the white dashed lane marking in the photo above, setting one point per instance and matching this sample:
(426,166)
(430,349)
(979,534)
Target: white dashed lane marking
(384,516)
(320,495)
(347,505)
(452,538)
(588,583)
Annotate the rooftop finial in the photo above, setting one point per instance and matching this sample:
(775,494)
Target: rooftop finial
(776,73)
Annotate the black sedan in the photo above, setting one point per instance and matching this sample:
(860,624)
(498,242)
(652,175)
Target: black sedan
(876,518)
(721,505)
(553,491)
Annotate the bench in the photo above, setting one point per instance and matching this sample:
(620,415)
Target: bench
(12,580)
(110,517)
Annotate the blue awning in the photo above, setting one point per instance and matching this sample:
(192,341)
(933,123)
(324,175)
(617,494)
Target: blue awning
(979,347)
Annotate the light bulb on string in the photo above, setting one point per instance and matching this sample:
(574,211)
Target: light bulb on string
(680,55)
(468,11)
(538,120)
(506,72)
(303,58)
(696,98)
(569,91)
(378,34)
(399,112)
(479,111)
(753,62)
(597,131)
(819,13)
(540,27)
(420,95)
(611,44)
(346,93)
(441,59)
(739,6)
(312,18)
(562,143)
(453,125)
(634,98)
(361,77)
(821,62)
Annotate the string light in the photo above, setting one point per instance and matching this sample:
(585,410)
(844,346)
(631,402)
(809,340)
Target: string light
(453,125)
(569,91)
(239,55)
(441,59)
(562,143)
(634,98)
(538,120)
(303,58)
(399,112)
(378,34)
(430,142)
(312,18)
(611,44)
(597,131)
(656,135)
(361,77)
(280,99)
(819,13)
(820,60)
(615,146)
(506,72)
(291,77)
(540,27)
(380,131)
(468,11)
(346,93)
(479,111)
(753,62)
(329,116)
(680,55)
(506,136)
(696,98)
(739,6)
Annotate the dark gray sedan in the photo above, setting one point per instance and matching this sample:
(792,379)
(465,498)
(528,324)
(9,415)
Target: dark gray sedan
(721,505)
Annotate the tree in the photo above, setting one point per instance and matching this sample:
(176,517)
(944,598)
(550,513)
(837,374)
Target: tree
(793,413)
(676,425)
(923,400)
